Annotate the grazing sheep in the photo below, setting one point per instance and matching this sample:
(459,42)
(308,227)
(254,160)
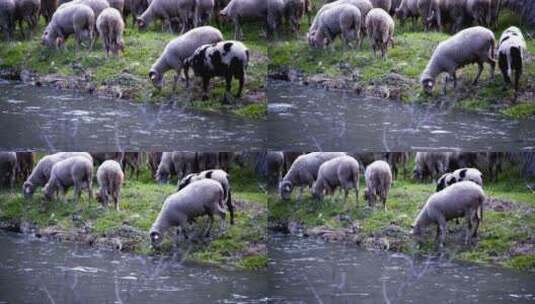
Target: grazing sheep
(178,50)
(110,178)
(8,169)
(380,28)
(395,159)
(110,26)
(463,199)
(480,10)
(7,17)
(48,7)
(240,10)
(408,9)
(41,173)
(459,175)
(27,11)
(294,10)
(218,175)
(134,8)
(100,157)
(25,162)
(364,7)
(131,160)
(203,197)
(204,11)
(74,171)
(77,19)
(169,10)
(96,5)
(511,52)
(118,5)
(226,59)
(270,164)
(304,172)
(448,10)
(378,181)
(341,19)
(425,9)
(384,4)
(477,44)
(175,163)
(154,161)
(432,164)
(341,172)
(289,158)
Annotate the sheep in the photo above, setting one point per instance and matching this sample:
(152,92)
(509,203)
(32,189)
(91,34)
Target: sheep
(154,161)
(225,160)
(425,8)
(96,5)
(459,175)
(110,179)
(72,18)
(27,11)
(203,197)
(463,199)
(458,160)
(432,164)
(218,175)
(408,9)
(289,158)
(380,28)
(453,10)
(100,157)
(178,50)
(131,160)
(134,8)
(394,6)
(495,7)
(169,10)
(175,163)
(8,169)
(7,17)
(480,10)
(304,172)
(378,178)
(395,159)
(41,173)
(204,11)
(384,4)
(364,7)
(226,59)
(25,162)
(48,7)
(239,10)
(341,172)
(118,5)
(477,45)
(511,52)
(74,171)
(341,19)
(270,164)
(294,10)
(110,26)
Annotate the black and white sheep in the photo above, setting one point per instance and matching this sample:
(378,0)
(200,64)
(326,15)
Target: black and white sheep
(8,169)
(341,172)
(378,176)
(238,11)
(341,19)
(110,26)
(471,45)
(169,11)
(380,28)
(178,50)
(463,199)
(511,53)
(203,197)
(110,178)
(459,175)
(74,171)
(430,164)
(77,19)
(228,59)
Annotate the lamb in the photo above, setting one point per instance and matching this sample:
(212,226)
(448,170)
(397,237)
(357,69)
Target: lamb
(175,163)
(218,175)
(408,9)
(74,171)
(27,11)
(511,52)
(341,172)
(226,59)
(341,19)
(459,175)
(294,10)
(110,26)
(239,10)
(204,11)
(463,199)
(169,10)
(41,173)
(433,164)
(477,45)
(48,7)
(304,172)
(110,178)
(378,181)
(8,169)
(68,19)
(7,17)
(178,50)
(480,10)
(384,4)
(380,28)
(203,197)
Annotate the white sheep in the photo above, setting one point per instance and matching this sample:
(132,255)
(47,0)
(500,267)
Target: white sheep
(511,53)
(110,26)
(169,11)
(378,182)
(77,19)
(239,10)
(380,27)
(341,172)
(364,7)
(74,171)
(480,10)
(341,19)
(432,164)
(110,178)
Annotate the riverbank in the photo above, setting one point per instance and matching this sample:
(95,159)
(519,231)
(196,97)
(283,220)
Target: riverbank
(505,236)
(241,246)
(396,78)
(126,77)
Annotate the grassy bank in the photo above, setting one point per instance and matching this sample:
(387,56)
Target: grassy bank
(397,77)
(241,245)
(506,235)
(127,76)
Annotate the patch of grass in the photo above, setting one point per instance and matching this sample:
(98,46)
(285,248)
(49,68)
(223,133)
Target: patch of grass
(254,262)
(522,262)
(254,111)
(522,110)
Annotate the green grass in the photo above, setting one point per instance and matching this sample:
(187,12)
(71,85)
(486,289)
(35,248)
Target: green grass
(129,73)
(141,201)
(499,231)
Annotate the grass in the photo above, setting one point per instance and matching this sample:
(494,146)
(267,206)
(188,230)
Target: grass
(413,48)
(499,232)
(128,74)
(141,201)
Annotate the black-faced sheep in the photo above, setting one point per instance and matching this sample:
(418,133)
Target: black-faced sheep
(110,178)
(169,10)
(218,175)
(75,171)
(178,50)
(226,59)
(243,10)
(203,197)
(380,27)
(77,19)
(100,157)
(341,172)
(471,45)
(463,199)
(432,164)
(378,178)
(459,175)
(110,26)
(8,169)
(27,11)
(511,53)
(304,172)
(341,19)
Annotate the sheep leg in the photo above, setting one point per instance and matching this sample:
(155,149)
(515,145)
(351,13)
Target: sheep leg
(210,223)
(77,192)
(241,79)
(479,71)
(116,196)
(445,84)
(476,220)
(469,217)
(442,227)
